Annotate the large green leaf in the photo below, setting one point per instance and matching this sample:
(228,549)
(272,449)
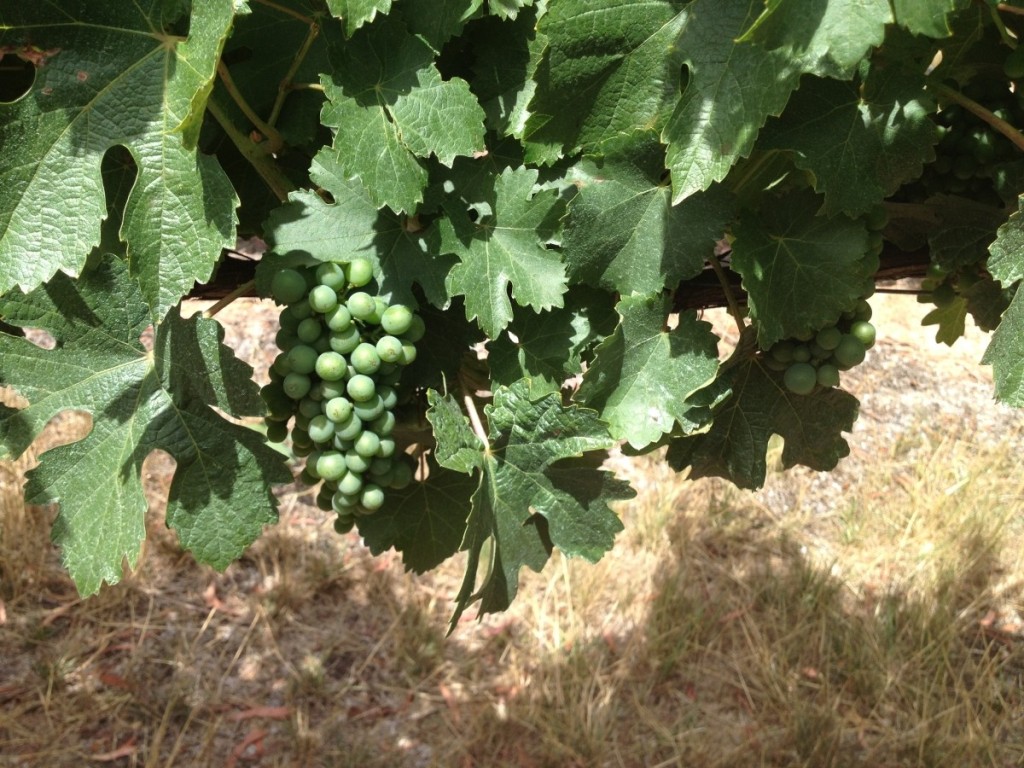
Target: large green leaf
(800,271)
(356,13)
(1005,354)
(139,401)
(506,245)
(390,106)
(623,233)
(114,77)
(827,37)
(760,406)
(540,486)
(927,17)
(643,374)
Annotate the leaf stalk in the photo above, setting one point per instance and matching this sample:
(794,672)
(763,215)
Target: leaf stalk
(257,154)
(978,110)
(276,140)
(244,289)
(730,297)
(285,86)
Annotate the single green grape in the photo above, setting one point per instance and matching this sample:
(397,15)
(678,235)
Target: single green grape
(302,358)
(862,311)
(332,389)
(344,501)
(339,318)
(287,286)
(324,500)
(351,483)
(367,445)
(296,385)
(277,431)
(372,497)
(381,465)
(330,366)
(782,351)
(361,388)
(279,404)
(388,396)
(865,333)
(828,375)
(365,359)
(369,410)
(417,329)
(309,330)
(380,306)
(361,305)
(396,319)
(285,339)
(360,272)
(387,447)
(321,429)
(829,338)
(323,299)
(800,378)
(849,353)
(301,439)
(408,353)
(332,275)
(309,407)
(343,342)
(338,409)
(384,424)
(389,349)
(308,478)
(331,465)
(402,475)
(349,429)
(355,462)
(801,353)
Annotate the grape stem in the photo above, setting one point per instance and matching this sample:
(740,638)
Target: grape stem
(976,109)
(730,299)
(1003,34)
(276,139)
(244,289)
(1010,9)
(257,154)
(285,86)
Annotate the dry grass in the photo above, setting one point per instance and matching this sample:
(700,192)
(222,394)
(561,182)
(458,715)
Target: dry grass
(868,617)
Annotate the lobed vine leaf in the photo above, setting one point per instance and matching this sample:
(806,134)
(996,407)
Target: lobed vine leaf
(113,76)
(643,374)
(139,401)
(927,17)
(736,445)
(356,13)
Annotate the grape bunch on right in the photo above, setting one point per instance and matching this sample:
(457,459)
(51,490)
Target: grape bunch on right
(815,359)
(337,382)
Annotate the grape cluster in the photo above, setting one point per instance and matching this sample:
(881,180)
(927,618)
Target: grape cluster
(815,359)
(336,379)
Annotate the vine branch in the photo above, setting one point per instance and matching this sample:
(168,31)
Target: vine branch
(285,86)
(979,111)
(273,135)
(257,154)
(730,299)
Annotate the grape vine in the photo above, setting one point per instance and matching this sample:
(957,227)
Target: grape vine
(490,228)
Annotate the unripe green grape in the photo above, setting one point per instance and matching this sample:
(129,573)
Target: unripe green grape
(287,286)
(296,385)
(865,333)
(285,339)
(301,439)
(800,378)
(331,465)
(301,310)
(782,351)
(350,429)
(338,409)
(316,393)
(381,465)
(801,353)
(389,349)
(302,450)
(386,447)
(372,497)
(396,319)
(343,525)
(301,422)
(342,444)
(355,462)
(379,308)
(384,424)
(417,329)
(343,342)
(818,352)
(322,344)
(360,272)
(309,330)
(309,407)
(361,305)
(367,444)
(369,409)
(877,218)
(389,378)
(339,318)
(351,483)
(277,431)
(321,429)
(332,389)
(302,358)
(330,366)
(274,376)
(279,404)
(361,388)
(829,338)
(323,299)
(332,275)
(324,500)
(311,461)
(402,475)
(388,396)
(828,375)
(345,501)
(365,359)
(408,353)
(306,478)
(281,364)
(862,311)
(384,479)
(849,353)
(287,320)
(773,364)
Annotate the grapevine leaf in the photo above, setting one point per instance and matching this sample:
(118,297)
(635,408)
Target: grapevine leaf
(507,9)
(356,13)
(113,78)
(986,303)
(736,445)
(860,145)
(643,374)
(425,521)
(966,232)
(827,38)
(307,230)
(951,321)
(610,67)
(458,448)
(390,106)
(139,401)
(528,500)
(437,21)
(800,271)
(506,246)
(1006,254)
(548,347)
(623,233)
(927,17)
(1005,354)
(733,88)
